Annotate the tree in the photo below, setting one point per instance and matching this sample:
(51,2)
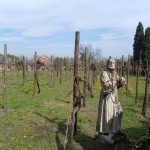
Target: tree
(138,43)
(146,47)
(96,53)
(146,62)
(137,50)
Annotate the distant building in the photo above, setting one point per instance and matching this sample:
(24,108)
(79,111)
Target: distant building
(45,59)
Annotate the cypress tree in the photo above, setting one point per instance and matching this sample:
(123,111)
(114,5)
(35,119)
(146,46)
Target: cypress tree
(137,50)
(146,47)
(138,42)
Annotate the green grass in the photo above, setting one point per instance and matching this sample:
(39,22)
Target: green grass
(39,123)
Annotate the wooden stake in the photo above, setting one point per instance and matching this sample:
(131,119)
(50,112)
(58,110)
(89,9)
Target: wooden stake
(35,73)
(138,63)
(128,66)
(85,77)
(5,67)
(75,84)
(122,65)
(24,70)
(76,107)
(60,69)
(146,89)
(15,71)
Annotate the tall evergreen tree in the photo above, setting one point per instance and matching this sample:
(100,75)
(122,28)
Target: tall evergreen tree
(146,47)
(137,51)
(138,42)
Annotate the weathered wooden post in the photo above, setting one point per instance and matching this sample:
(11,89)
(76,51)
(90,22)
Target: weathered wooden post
(26,67)
(137,77)
(76,101)
(54,71)
(60,69)
(66,68)
(122,66)
(85,77)
(24,70)
(97,69)
(35,73)
(128,67)
(57,67)
(51,72)
(137,82)
(146,88)
(92,72)
(76,82)
(54,76)
(117,66)
(15,71)
(5,67)
(89,73)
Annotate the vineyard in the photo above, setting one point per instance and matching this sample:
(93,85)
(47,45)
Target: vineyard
(74,75)
(40,121)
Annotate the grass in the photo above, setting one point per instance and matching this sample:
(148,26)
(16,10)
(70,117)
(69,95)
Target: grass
(39,123)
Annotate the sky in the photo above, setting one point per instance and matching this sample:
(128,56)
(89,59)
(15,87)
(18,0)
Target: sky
(48,26)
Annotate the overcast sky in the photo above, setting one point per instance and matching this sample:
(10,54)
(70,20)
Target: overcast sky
(48,26)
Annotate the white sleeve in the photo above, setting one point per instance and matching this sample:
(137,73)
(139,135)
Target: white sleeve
(106,83)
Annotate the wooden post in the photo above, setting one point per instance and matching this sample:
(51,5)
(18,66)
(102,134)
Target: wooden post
(73,124)
(57,67)
(76,73)
(5,67)
(24,70)
(66,68)
(117,64)
(85,77)
(146,89)
(89,73)
(60,71)
(92,73)
(54,76)
(137,78)
(26,67)
(35,73)
(54,72)
(15,71)
(97,70)
(17,66)
(137,83)
(122,66)
(128,66)
(51,73)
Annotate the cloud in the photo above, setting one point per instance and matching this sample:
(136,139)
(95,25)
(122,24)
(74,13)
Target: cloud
(42,22)
(11,39)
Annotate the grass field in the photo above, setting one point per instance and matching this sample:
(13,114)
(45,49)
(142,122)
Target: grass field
(40,122)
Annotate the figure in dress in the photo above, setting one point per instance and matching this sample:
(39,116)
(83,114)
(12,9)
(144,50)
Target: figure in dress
(109,109)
